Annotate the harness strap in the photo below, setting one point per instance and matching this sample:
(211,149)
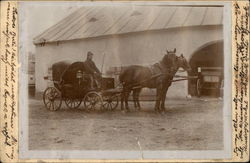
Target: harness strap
(155,69)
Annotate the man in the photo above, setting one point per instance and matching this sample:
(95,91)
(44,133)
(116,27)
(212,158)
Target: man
(91,69)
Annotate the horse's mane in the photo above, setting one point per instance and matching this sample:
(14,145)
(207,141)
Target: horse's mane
(168,60)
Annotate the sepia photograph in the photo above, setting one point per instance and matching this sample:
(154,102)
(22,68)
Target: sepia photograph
(125,80)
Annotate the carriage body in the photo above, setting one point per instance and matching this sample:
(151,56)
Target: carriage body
(72,85)
(210,78)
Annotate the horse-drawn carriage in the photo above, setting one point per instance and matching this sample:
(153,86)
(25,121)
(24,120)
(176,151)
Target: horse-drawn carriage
(71,84)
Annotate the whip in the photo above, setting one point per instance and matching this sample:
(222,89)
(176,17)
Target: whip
(103,58)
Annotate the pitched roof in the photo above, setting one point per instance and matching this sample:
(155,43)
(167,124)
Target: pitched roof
(94,21)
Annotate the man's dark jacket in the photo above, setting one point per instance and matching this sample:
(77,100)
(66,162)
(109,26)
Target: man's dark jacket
(90,67)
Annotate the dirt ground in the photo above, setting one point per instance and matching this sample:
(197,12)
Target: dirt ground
(189,124)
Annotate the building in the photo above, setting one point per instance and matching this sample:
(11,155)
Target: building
(132,35)
(31,68)
(31,73)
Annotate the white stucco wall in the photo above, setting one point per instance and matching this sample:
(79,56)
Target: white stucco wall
(139,48)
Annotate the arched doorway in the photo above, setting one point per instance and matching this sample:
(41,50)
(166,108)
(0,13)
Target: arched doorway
(210,57)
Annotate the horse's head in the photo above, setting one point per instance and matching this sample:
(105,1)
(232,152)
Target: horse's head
(169,59)
(183,63)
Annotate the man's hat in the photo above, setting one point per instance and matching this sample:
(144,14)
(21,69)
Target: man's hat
(89,53)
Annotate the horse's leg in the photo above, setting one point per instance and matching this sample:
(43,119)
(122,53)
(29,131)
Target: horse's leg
(122,99)
(134,98)
(164,94)
(137,98)
(136,93)
(158,98)
(127,92)
(163,99)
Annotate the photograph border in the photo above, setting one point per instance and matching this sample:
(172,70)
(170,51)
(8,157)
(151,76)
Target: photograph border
(19,127)
(137,154)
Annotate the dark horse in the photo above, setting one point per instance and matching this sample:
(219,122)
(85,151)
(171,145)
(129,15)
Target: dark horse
(157,76)
(167,81)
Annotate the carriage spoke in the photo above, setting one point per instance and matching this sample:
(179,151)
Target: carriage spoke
(50,104)
(53,106)
(88,105)
(57,104)
(105,105)
(73,103)
(47,104)
(92,107)
(110,106)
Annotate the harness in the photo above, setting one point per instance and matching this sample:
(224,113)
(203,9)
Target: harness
(155,69)
(158,68)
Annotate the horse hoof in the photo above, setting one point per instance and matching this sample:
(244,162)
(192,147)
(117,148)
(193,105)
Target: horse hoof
(123,112)
(138,108)
(163,112)
(157,111)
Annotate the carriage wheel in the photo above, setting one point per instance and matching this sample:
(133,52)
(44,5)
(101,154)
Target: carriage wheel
(110,102)
(52,98)
(93,101)
(72,103)
(198,87)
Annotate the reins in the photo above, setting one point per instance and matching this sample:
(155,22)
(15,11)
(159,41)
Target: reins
(155,75)
(134,86)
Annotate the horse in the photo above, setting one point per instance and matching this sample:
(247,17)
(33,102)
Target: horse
(135,77)
(181,62)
